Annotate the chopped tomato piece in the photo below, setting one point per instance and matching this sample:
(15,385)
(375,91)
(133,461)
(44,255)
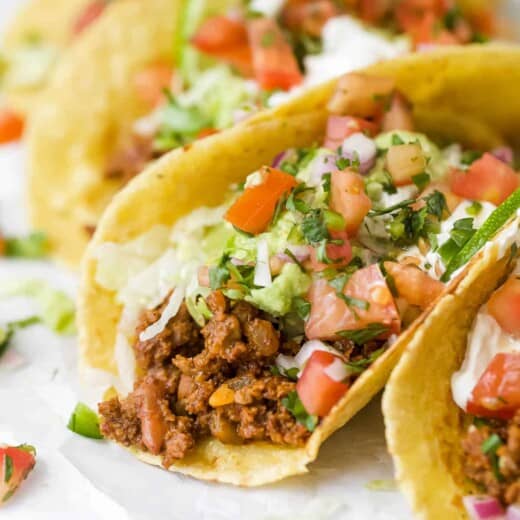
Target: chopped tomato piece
(497,393)
(88,15)
(11,126)
(308,17)
(403,161)
(348,197)
(341,127)
(484,21)
(504,306)
(373,11)
(253,210)
(220,33)
(361,95)
(373,303)
(340,254)
(409,13)
(150,82)
(399,115)
(15,464)
(317,391)
(274,62)
(488,178)
(414,285)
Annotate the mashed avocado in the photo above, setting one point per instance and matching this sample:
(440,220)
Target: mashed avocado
(277,298)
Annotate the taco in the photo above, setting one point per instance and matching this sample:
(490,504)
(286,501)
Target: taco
(30,48)
(451,405)
(229,60)
(247,295)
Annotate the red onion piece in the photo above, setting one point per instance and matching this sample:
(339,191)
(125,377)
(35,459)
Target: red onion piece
(483,508)
(301,253)
(278,159)
(360,147)
(513,512)
(320,166)
(504,153)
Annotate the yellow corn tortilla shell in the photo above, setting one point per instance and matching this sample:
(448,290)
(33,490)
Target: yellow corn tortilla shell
(423,424)
(90,103)
(199,176)
(49,22)
(84,117)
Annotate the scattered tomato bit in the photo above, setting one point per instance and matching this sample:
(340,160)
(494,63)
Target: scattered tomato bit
(16,462)
(11,126)
(151,82)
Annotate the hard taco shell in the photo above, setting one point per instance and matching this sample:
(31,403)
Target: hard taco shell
(463,86)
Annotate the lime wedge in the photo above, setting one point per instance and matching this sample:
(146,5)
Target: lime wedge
(488,230)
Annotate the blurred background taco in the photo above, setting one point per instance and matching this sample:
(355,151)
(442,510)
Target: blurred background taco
(245,296)
(31,47)
(221,62)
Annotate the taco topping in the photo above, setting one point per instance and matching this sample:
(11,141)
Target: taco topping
(236,58)
(263,313)
(487,387)
(16,462)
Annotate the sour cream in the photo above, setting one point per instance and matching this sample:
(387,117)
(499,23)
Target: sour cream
(269,8)
(347,45)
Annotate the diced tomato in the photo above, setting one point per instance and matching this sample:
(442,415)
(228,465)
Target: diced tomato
(361,95)
(488,178)
(331,314)
(220,33)
(274,62)
(308,17)
(150,82)
(404,161)
(373,11)
(206,132)
(15,464)
(317,391)
(484,21)
(399,115)
(414,285)
(410,12)
(11,126)
(342,253)
(340,127)
(504,306)
(497,393)
(348,197)
(253,210)
(88,15)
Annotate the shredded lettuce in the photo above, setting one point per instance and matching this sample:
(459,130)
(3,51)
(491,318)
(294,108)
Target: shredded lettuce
(56,309)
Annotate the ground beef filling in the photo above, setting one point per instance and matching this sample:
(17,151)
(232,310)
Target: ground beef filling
(201,382)
(497,473)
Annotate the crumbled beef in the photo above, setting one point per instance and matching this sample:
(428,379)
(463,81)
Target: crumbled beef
(131,158)
(501,480)
(184,368)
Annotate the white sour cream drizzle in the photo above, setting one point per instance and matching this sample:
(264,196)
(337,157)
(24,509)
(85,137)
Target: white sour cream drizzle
(485,340)
(347,45)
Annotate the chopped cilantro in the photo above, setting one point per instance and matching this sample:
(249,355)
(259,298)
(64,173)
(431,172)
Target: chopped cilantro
(342,163)
(291,373)
(293,403)
(354,302)
(362,336)
(391,209)
(436,204)
(297,160)
(278,209)
(474,209)
(8,468)
(396,140)
(460,234)
(358,366)
(421,180)
(468,157)
(295,202)
(302,307)
(219,275)
(491,444)
(339,282)
(451,18)
(313,227)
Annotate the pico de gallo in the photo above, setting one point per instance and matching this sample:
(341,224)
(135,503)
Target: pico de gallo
(235,57)
(267,309)
(16,462)
(487,388)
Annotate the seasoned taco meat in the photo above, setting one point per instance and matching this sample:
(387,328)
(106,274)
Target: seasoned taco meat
(211,381)
(492,458)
